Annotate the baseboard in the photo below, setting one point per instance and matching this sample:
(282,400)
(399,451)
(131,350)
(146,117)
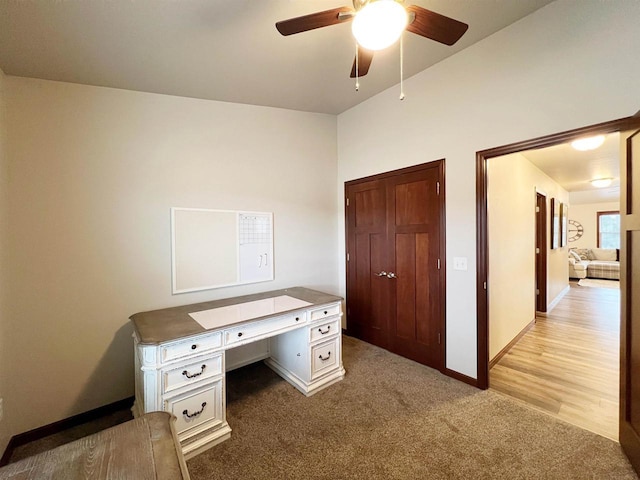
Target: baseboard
(461,377)
(510,345)
(56,427)
(556,300)
(11,446)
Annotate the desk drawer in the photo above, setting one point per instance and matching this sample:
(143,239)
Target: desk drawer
(326,311)
(263,327)
(325,357)
(196,407)
(324,330)
(193,346)
(191,372)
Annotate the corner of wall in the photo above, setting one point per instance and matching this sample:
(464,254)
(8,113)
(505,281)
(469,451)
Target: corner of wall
(5,432)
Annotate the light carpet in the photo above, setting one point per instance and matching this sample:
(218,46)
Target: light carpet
(597,282)
(391,418)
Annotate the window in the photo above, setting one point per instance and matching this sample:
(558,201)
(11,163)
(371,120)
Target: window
(608,229)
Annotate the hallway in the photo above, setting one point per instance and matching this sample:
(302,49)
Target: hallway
(567,364)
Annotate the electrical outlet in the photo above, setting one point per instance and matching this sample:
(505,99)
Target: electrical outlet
(459,263)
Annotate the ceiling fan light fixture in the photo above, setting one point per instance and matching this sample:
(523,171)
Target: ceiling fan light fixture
(601,182)
(379,24)
(588,143)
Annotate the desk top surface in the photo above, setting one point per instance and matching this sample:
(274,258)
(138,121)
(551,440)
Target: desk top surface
(173,323)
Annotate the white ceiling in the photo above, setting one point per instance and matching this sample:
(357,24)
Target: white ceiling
(226,50)
(573,170)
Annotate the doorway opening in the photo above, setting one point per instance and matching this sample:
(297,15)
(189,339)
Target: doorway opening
(484,281)
(558,354)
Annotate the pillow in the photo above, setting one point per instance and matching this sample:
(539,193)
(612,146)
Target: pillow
(608,254)
(574,256)
(584,253)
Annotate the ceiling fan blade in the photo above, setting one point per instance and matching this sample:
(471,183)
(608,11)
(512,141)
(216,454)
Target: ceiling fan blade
(364,62)
(314,20)
(435,26)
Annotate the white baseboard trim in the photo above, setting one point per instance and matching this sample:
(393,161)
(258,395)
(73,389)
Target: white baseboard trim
(556,300)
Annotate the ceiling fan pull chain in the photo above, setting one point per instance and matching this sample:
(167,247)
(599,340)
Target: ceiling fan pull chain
(357,79)
(401,67)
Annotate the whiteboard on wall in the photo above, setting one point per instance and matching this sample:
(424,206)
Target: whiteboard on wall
(220,248)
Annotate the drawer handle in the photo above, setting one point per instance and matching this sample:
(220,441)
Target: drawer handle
(239,334)
(297,319)
(324,359)
(194,414)
(325,312)
(193,347)
(326,331)
(186,374)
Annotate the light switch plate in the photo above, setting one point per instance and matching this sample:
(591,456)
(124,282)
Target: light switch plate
(459,263)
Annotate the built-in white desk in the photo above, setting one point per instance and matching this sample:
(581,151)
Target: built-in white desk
(182,354)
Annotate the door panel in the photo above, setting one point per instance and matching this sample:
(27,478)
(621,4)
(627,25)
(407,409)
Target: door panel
(369,205)
(402,311)
(633,258)
(368,305)
(426,301)
(379,296)
(415,227)
(630,303)
(363,272)
(411,199)
(405,286)
(413,293)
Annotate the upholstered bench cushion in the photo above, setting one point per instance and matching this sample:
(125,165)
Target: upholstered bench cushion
(141,449)
(603,269)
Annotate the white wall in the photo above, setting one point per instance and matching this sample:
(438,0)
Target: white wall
(587,216)
(568,65)
(512,183)
(94,172)
(5,431)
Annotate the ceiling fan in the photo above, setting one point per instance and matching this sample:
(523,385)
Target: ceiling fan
(377,24)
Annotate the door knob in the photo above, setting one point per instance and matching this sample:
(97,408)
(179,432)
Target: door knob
(381,274)
(391,275)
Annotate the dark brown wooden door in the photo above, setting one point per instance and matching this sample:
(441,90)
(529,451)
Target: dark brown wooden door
(630,303)
(367,284)
(541,253)
(395,272)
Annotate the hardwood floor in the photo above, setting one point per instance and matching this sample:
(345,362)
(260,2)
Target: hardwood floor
(567,364)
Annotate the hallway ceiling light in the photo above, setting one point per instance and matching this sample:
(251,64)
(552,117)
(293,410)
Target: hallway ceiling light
(588,143)
(601,182)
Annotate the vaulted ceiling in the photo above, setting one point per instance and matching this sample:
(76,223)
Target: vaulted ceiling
(227,50)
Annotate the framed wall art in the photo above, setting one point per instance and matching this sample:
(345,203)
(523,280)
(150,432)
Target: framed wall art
(564,222)
(555,223)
